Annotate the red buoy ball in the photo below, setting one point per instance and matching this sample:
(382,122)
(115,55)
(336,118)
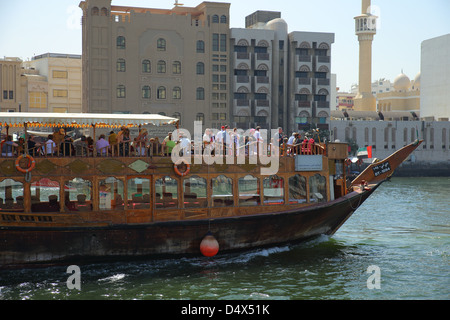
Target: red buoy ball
(209,246)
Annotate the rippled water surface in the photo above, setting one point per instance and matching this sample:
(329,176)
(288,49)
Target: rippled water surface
(403,230)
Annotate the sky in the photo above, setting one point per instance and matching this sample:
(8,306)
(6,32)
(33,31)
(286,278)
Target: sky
(33,27)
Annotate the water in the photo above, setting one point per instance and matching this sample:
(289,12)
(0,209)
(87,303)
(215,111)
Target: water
(403,230)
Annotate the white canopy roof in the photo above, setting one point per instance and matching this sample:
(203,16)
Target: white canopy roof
(17,119)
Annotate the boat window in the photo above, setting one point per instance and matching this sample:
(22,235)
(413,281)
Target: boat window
(249,193)
(317,188)
(297,189)
(194,189)
(45,196)
(78,195)
(273,190)
(111,194)
(138,193)
(11,195)
(166,193)
(222,191)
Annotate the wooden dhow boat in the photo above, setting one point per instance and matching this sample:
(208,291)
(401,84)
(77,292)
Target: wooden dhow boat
(63,207)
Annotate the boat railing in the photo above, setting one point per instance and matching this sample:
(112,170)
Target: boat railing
(133,149)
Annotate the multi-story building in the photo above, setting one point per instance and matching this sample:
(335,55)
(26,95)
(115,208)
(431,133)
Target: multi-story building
(187,63)
(10,84)
(142,60)
(53,83)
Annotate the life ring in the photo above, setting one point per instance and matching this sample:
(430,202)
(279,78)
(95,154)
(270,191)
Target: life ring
(181,174)
(31,163)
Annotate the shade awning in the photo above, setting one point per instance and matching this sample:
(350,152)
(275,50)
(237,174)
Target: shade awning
(79,120)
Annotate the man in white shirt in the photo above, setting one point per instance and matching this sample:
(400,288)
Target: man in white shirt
(49,147)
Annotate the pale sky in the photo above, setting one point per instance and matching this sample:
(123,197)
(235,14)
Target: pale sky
(33,27)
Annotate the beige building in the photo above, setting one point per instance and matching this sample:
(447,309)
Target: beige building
(11,98)
(142,60)
(405,95)
(53,83)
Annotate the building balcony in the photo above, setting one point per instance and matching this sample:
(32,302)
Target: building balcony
(323,82)
(242,56)
(304,58)
(242,79)
(262,103)
(262,56)
(262,79)
(241,102)
(304,104)
(323,104)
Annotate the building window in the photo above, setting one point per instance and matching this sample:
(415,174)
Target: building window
(146,66)
(223,19)
(215,42)
(215,18)
(200,46)
(176,67)
(120,91)
(161,93)
(176,93)
(200,94)
(161,44)
(59,93)
(223,42)
(120,42)
(200,117)
(161,68)
(200,68)
(59,74)
(37,100)
(146,92)
(120,66)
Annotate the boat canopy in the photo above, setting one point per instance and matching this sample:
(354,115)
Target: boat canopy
(83,120)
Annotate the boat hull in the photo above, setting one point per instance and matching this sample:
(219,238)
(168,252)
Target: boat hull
(78,245)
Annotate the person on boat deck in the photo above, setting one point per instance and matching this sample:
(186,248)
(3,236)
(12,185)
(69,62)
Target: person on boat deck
(49,147)
(66,147)
(278,138)
(112,139)
(31,145)
(141,142)
(7,148)
(235,140)
(80,145)
(185,145)
(124,142)
(102,145)
(21,146)
(169,143)
(58,137)
(297,143)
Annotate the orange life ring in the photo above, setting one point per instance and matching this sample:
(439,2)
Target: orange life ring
(31,163)
(181,174)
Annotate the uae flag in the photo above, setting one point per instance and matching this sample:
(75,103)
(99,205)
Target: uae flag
(366,151)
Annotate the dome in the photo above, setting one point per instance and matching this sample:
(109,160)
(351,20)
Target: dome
(402,83)
(278,25)
(416,85)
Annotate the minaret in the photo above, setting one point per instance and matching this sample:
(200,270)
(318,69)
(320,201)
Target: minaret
(365,29)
